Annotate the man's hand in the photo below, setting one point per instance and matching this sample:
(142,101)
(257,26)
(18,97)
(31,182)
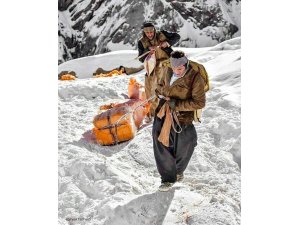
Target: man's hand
(152,48)
(172,103)
(164,44)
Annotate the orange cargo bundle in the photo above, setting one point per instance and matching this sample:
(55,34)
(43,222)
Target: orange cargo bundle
(136,90)
(110,128)
(67,77)
(119,123)
(106,107)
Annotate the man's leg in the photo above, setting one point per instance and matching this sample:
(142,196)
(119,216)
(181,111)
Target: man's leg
(164,156)
(186,142)
(149,91)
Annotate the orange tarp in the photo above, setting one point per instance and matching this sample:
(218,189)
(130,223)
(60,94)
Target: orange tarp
(120,121)
(136,90)
(109,131)
(110,128)
(67,77)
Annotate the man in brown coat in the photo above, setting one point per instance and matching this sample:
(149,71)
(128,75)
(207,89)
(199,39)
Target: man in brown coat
(181,91)
(158,43)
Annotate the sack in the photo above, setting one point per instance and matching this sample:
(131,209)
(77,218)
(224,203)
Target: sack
(119,123)
(108,74)
(199,68)
(197,115)
(67,77)
(108,132)
(135,89)
(150,63)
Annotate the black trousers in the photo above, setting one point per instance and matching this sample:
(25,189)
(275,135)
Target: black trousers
(174,159)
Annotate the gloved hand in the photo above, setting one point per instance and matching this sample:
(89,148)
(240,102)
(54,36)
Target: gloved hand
(172,103)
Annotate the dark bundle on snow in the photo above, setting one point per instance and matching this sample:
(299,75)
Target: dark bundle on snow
(100,70)
(66,72)
(128,70)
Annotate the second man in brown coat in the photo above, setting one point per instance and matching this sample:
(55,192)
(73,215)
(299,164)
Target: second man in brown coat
(158,43)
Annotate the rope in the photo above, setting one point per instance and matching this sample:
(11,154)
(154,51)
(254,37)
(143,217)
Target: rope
(141,56)
(177,122)
(138,57)
(126,114)
(174,117)
(116,124)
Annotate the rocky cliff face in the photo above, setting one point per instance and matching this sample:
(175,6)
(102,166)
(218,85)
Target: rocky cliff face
(88,27)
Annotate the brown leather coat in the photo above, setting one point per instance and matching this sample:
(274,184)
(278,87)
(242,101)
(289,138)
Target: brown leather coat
(160,36)
(188,98)
(161,54)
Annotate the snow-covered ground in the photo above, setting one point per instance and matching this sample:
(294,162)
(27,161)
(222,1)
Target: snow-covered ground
(118,185)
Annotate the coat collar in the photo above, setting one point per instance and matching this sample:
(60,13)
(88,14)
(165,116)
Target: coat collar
(178,81)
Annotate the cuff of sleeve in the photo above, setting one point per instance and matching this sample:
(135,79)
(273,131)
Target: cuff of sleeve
(172,103)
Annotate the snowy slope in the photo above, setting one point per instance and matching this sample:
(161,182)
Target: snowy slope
(91,27)
(118,185)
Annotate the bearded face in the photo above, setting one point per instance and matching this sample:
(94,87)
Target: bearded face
(149,32)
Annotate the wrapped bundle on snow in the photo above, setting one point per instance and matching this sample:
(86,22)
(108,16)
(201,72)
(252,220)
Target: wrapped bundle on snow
(99,71)
(65,75)
(120,123)
(121,69)
(136,90)
(109,74)
(106,107)
(132,70)
(111,129)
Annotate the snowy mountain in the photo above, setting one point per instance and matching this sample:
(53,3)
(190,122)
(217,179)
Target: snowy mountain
(89,27)
(118,185)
